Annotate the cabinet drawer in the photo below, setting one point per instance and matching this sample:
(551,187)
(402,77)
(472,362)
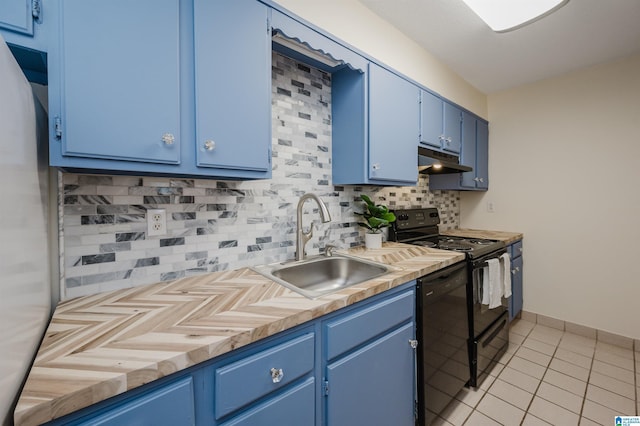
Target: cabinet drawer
(244,381)
(170,405)
(293,407)
(349,331)
(516,249)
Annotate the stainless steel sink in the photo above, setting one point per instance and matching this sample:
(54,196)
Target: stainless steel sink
(322,275)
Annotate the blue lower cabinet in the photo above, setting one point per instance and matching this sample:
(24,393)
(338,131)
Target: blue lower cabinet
(517,299)
(375,384)
(169,405)
(369,364)
(354,366)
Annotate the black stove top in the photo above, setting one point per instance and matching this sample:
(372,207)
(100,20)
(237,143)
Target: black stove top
(420,227)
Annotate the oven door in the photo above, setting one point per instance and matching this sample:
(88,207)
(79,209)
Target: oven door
(488,348)
(482,316)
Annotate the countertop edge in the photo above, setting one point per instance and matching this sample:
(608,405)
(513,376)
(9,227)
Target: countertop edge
(504,236)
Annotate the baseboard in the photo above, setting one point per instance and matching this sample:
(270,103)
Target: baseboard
(592,333)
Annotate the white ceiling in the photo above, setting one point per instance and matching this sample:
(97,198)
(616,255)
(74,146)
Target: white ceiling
(580,34)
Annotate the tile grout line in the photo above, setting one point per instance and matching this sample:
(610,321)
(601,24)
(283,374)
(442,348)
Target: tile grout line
(535,393)
(635,374)
(586,388)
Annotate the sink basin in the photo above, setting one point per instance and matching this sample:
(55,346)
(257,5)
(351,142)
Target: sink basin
(322,275)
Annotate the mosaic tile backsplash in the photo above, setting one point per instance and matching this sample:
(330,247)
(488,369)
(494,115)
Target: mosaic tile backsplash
(218,225)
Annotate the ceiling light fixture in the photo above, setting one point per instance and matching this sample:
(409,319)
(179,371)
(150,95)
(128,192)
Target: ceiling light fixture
(508,15)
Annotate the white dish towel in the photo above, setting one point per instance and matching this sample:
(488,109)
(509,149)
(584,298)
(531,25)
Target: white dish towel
(492,284)
(505,262)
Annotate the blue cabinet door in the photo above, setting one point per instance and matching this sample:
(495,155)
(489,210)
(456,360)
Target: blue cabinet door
(468,151)
(169,405)
(375,384)
(233,85)
(17,15)
(516,288)
(119,80)
(452,128)
(474,152)
(482,155)
(431,119)
(393,127)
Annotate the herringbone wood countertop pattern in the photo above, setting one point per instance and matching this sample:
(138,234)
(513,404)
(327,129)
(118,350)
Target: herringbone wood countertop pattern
(100,346)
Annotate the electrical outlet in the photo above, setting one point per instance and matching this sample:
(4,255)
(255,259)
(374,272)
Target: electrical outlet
(156,222)
(491,208)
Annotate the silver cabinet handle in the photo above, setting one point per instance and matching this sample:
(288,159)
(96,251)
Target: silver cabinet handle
(276,374)
(520,249)
(476,179)
(513,272)
(168,139)
(481,179)
(209,145)
(413,343)
(376,166)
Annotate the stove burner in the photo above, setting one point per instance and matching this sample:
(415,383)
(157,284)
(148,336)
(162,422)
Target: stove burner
(429,244)
(452,245)
(481,241)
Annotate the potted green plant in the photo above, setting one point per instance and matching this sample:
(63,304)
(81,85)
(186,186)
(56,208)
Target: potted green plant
(376,217)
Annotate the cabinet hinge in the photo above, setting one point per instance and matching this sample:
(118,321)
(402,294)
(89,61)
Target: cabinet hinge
(36,8)
(58,127)
(325,387)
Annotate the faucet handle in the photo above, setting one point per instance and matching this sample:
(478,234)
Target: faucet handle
(329,249)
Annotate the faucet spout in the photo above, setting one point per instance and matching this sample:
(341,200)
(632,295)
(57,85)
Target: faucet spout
(303,237)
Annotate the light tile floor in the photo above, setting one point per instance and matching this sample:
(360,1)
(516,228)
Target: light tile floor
(549,376)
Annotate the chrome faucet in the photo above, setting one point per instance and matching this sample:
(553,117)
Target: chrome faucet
(303,237)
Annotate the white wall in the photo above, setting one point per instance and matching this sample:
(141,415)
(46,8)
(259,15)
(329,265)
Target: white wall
(564,169)
(353,23)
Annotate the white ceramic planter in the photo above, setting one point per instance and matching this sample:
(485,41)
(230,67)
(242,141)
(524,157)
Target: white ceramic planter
(373,241)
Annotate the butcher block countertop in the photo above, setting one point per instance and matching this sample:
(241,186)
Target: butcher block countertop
(102,345)
(506,237)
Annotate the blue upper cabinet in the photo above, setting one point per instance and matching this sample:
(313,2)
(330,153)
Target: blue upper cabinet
(163,93)
(120,88)
(474,153)
(469,150)
(439,123)
(482,155)
(375,128)
(18,15)
(233,85)
(393,127)
(23,27)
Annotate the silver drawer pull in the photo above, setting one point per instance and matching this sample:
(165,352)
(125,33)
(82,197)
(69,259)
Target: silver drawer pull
(413,343)
(276,374)
(209,145)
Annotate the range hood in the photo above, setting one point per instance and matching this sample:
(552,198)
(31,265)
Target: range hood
(432,162)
